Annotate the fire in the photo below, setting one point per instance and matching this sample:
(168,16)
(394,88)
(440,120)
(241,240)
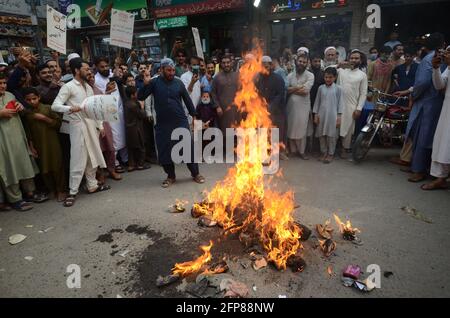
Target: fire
(346,228)
(190,267)
(242,202)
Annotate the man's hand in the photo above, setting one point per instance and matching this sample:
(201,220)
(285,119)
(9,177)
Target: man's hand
(147,77)
(402,93)
(338,121)
(356,114)
(219,111)
(437,60)
(194,80)
(33,151)
(316,119)
(25,59)
(301,91)
(7,113)
(75,109)
(19,107)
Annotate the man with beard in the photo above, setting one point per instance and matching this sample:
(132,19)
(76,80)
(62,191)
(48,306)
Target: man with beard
(168,93)
(379,72)
(224,88)
(354,85)
(299,106)
(396,57)
(330,57)
(425,113)
(102,79)
(207,79)
(271,87)
(85,153)
(47,89)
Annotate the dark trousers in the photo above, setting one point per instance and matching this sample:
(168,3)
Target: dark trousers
(149,137)
(136,156)
(64,140)
(170,170)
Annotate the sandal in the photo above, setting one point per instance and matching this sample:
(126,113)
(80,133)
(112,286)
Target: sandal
(22,206)
(199,179)
(416,177)
(120,169)
(37,198)
(69,201)
(101,188)
(433,187)
(168,182)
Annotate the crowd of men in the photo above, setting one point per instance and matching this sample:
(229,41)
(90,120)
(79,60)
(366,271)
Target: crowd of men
(49,146)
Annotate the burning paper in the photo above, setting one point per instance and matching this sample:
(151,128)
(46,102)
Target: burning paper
(346,229)
(190,267)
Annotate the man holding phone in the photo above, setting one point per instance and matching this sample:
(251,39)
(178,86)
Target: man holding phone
(191,80)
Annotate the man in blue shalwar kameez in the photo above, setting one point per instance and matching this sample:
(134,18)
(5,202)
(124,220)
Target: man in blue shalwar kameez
(425,114)
(168,93)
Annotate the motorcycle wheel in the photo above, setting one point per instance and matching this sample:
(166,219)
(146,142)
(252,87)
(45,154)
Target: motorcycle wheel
(362,146)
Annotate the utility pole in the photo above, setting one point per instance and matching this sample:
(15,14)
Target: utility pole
(38,33)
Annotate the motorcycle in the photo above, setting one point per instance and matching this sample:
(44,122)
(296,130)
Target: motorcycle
(387,122)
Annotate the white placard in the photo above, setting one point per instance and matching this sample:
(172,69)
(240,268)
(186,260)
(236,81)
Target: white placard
(56,30)
(198,43)
(101,107)
(122,25)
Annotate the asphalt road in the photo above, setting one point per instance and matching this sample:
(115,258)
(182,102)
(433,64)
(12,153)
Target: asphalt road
(123,239)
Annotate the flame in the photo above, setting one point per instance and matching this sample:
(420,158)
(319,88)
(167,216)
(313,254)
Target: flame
(241,201)
(345,227)
(190,267)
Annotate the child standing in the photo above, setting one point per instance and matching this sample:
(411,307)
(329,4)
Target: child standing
(42,126)
(327,114)
(134,124)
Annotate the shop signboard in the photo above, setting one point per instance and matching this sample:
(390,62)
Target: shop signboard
(98,12)
(22,7)
(168,23)
(175,8)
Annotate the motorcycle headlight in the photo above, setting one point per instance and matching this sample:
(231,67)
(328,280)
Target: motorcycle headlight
(381,108)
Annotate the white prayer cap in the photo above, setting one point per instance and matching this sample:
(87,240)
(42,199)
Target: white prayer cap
(303,49)
(167,62)
(72,56)
(448,48)
(266,59)
(329,48)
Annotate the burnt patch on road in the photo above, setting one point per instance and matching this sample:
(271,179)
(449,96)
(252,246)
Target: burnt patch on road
(108,237)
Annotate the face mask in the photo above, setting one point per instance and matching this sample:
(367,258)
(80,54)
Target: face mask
(206,101)
(373,57)
(134,69)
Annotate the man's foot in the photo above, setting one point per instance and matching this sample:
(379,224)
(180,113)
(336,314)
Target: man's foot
(22,206)
(168,182)
(69,201)
(199,179)
(323,157)
(303,157)
(4,207)
(61,196)
(131,168)
(400,162)
(115,176)
(328,159)
(417,177)
(120,169)
(101,178)
(143,167)
(100,188)
(37,198)
(438,184)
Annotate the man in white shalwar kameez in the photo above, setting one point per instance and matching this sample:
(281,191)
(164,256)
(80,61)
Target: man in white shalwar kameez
(85,152)
(354,86)
(102,79)
(300,83)
(440,166)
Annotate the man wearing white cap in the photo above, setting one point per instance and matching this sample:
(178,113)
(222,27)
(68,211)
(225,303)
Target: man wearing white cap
(303,51)
(300,83)
(330,57)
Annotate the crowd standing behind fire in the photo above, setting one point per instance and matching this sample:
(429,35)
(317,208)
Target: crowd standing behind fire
(48,146)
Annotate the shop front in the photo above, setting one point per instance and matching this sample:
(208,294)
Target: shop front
(222,25)
(93,37)
(317,24)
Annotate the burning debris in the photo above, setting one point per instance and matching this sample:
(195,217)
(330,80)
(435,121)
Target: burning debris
(162,281)
(178,207)
(325,230)
(327,247)
(190,267)
(346,229)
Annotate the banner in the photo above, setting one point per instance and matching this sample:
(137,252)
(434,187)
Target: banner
(122,25)
(98,12)
(175,8)
(198,43)
(101,107)
(56,30)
